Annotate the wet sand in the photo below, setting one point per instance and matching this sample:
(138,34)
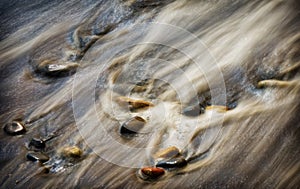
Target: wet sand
(149,94)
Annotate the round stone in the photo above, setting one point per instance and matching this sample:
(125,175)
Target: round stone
(14,128)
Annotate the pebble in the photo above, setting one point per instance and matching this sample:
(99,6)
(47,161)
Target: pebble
(220,109)
(134,104)
(273,83)
(132,126)
(37,156)
(169,152)
(57,69)
(172,163)
(37,143)
(14,128)
(193,111)
(72,151)
(149,173)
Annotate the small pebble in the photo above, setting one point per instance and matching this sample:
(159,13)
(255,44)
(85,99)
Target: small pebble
(14,128)
(149,173)
(37,156)
(193,111)
(169,152)
(57,69)
(72,151)
(132,126)
(37,143)
(273,83)
(134,104)
(172,163)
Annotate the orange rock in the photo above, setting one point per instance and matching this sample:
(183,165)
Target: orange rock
(152,172)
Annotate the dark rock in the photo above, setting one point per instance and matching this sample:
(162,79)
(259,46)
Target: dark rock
(132,127)
(37,156)
(14,128)
(37,143)
(172,163)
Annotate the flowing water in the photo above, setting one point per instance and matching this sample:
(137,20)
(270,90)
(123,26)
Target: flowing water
(112,87)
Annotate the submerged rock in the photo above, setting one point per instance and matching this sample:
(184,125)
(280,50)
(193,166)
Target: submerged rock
(169,152)
(37,156)
(132,127)
(134,104)
(37,143)
(72,151)
(14,128)
(150,173)
(193,111)
(52,69)
(172,163)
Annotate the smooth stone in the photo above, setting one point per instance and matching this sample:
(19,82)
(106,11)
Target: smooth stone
(14,128)
(193,111)
(172,163)
(37,156)
(52,69)
(169,152)
(134,104)
(132,126)
(37,143)
(72,151)
(148,173)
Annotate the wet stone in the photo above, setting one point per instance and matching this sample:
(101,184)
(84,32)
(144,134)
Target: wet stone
(193,111)
(132,127)
(52,69)
(172,163)
(72,151)
(220,109)
(14,128)
(134,104)
(37,156)
(167,153)
(37,143)
(150,173)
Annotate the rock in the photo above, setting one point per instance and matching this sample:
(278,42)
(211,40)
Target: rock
(220,109)
(134,104)
(149,173)
(53,69)
(172,163)
(193,111)
(167,153)
(132,127)
(72,151)
(37,156)
(37,143)
(273,83)
(14,128)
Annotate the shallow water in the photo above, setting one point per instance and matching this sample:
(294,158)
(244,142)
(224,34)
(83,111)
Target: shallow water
(124,80)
